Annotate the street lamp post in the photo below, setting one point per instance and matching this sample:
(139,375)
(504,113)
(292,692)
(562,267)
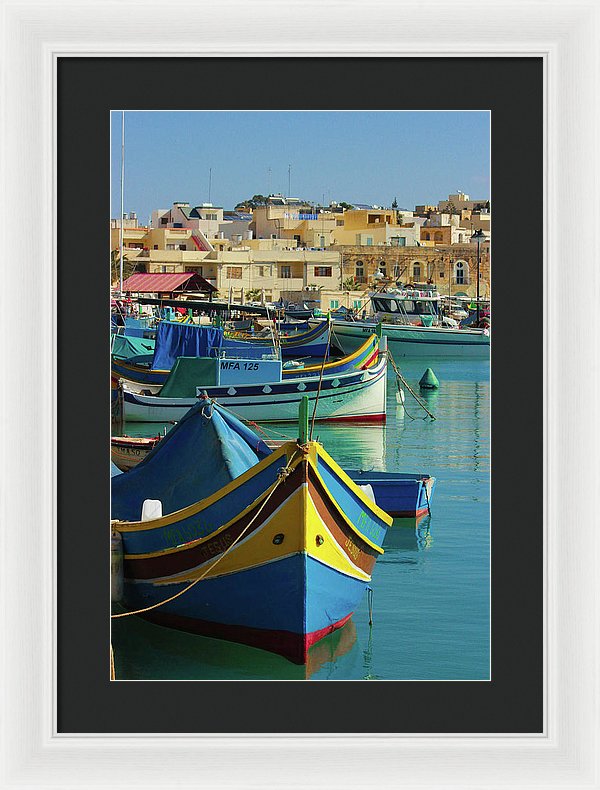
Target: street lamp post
(479,237)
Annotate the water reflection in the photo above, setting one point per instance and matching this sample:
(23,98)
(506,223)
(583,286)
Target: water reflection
(354,446)
(409,534)
(368,658)
(406,542)
(144,651)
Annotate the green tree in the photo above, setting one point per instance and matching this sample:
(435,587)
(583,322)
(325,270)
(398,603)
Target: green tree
(395,203)
(254,295)
(253,202)
(349,284)
(345,205)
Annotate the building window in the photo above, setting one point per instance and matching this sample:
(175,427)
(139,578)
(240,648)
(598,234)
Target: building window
(460,273)
(234,272)
(163,220)
(339,222)
(357,304)
(155,247)
(416,271)
(322,271)
(369,241)
(334,303)
(441,274)
(359,272)
(182,247)
(170,246)
(427,237)
(382,268)
(285,272)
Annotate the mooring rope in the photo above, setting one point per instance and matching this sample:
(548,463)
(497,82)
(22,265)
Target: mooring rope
(408,387)
(282,475)
(314,414)
(262,429)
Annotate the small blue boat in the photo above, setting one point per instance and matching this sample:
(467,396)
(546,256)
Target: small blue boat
(402,495)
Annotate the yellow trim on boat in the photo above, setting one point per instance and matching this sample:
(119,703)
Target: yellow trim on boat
(129,366)
(206,538)
(352,485)
(254,549)
(297,519)
(337,362)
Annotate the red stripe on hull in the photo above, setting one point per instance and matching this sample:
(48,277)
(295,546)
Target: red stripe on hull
(362,418)
(371,360)
(292,646)
(408,513)
(313,638)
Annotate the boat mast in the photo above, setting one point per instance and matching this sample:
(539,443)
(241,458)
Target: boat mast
(122,184)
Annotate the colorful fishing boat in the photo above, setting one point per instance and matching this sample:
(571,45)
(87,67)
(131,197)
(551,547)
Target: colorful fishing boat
(127,451)
(255,390)
(408,341)
(414,326)
(400,494)
(277,558)
(364,356)
(314,342)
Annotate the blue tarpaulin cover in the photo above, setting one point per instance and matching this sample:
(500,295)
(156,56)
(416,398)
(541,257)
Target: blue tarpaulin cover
(205,451)
(184,340)
(190,340)
(114,470)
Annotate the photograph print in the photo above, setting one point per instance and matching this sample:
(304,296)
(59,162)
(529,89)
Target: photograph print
(300,310)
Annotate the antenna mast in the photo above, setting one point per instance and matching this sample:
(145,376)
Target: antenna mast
(122,187)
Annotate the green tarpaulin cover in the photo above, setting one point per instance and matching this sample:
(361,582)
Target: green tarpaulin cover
(126,347)
(189,373)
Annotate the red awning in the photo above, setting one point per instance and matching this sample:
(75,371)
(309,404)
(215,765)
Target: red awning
(164,282)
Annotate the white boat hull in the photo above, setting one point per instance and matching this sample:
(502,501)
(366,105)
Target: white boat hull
(357,396)
(415,341)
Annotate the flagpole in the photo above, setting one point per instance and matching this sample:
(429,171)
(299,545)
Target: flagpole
(122,185)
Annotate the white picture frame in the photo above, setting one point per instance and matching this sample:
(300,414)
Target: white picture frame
(566,754)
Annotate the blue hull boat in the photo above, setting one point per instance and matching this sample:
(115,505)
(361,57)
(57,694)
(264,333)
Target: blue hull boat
(402,495)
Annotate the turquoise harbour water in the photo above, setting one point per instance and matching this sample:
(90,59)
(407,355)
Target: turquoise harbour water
(430,588)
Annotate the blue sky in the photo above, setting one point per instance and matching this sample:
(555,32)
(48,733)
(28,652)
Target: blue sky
(363,157)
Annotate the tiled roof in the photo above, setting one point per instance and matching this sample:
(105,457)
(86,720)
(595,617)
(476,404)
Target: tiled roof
(155,283)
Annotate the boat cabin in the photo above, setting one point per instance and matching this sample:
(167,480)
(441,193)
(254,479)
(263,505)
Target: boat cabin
(408,306)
